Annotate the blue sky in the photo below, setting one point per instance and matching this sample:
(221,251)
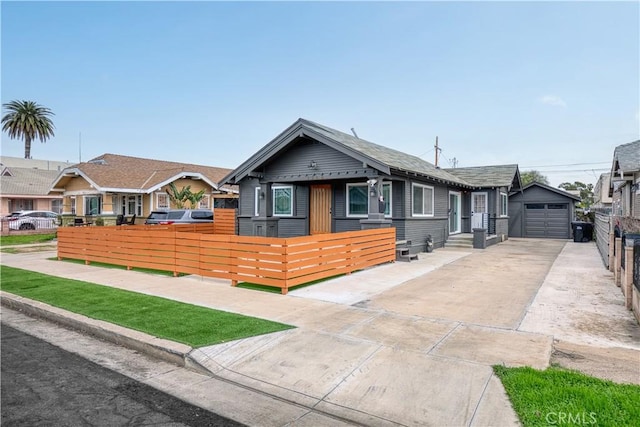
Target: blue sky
(535,83)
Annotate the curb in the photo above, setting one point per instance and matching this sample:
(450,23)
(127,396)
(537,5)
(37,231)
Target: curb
(159,348)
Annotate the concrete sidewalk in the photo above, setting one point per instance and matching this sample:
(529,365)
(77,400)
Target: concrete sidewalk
(413,348)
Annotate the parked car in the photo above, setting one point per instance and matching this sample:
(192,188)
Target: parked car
(180,216)
(32,220)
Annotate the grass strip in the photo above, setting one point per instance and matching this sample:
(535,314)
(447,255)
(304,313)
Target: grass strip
(25,239)
(558,396)
(185,323)
(276,290)
(119,267)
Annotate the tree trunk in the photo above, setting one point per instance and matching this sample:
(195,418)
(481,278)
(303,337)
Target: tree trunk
(27,147)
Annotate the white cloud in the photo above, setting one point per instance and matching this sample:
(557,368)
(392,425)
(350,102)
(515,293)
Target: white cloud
(556,101)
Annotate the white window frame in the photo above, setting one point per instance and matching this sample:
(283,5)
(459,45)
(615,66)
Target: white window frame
(388,184)
(86,204)
(504,203)
(256,202)
(384,184)
(204,203)
(415,185)
(273,199)
(357,184)
(164,196)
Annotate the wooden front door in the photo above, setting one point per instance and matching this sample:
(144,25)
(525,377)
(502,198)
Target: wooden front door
(320,209)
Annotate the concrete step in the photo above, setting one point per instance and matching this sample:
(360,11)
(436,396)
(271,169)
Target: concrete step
(459,244)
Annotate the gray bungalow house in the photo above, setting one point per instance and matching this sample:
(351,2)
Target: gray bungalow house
(312,179)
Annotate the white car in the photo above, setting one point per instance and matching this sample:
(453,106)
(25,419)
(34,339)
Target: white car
(32,220)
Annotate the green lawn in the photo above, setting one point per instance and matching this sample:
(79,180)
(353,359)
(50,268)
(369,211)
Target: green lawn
(184,323)
(26,239)
(118,267)
(558,396)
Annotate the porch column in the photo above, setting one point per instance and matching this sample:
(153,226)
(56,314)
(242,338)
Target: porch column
(375,216)
(265,224)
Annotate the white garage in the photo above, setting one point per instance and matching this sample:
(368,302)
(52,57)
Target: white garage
(541,211)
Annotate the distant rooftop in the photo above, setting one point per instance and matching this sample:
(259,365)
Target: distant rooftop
(19,162)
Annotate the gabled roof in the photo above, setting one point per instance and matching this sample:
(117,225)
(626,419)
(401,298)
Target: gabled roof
(26,181)
(490,176)
(112,172)
(382,158)
(550,188)
(626,157)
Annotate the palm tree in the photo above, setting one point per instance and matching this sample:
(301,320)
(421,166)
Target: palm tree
(194,198)
(178,197)
(27,120)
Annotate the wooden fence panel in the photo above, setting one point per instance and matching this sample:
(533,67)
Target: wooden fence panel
(602,229)
(270,261)
(224,221)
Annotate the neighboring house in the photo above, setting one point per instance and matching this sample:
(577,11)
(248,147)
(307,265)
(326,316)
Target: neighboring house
(25,184)
(601,199)
(111,184)
(542,211)
(312,179)
(625,180)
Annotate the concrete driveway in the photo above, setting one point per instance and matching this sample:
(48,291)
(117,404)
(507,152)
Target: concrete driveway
(414,348)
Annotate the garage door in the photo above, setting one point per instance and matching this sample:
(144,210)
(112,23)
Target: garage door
(550,220)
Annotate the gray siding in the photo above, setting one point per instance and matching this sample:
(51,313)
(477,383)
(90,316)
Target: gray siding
(553,223)
(330,164)
(502,227)
(515,219)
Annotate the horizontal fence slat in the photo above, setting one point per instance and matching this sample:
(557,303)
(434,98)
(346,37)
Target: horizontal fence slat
(192,249)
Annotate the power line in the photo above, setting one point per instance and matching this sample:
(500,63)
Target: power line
(568,164)
(574,170)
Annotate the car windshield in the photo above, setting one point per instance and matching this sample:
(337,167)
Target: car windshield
(158,215)
(14,214)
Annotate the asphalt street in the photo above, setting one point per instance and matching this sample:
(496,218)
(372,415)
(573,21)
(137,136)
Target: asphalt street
(43,385)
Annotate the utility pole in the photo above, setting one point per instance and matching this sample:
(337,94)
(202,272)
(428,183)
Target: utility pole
(437,150)
(454,162)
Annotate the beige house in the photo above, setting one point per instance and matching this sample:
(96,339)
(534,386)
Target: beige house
(112,185)
(25,184)
(601,198)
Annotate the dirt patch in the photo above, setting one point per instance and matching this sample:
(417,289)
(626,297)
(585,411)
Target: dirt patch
(621,365)
(28,249)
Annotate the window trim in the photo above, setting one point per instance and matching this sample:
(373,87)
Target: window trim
(415,185)
(166,197)
(86,200)
(256,201)
(206,198)
(273,200)
(358,184)
(504,198)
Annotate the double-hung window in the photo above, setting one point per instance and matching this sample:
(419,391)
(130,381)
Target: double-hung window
(422,200)
(504,204)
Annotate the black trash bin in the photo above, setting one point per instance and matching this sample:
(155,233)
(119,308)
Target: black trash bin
(582,231)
